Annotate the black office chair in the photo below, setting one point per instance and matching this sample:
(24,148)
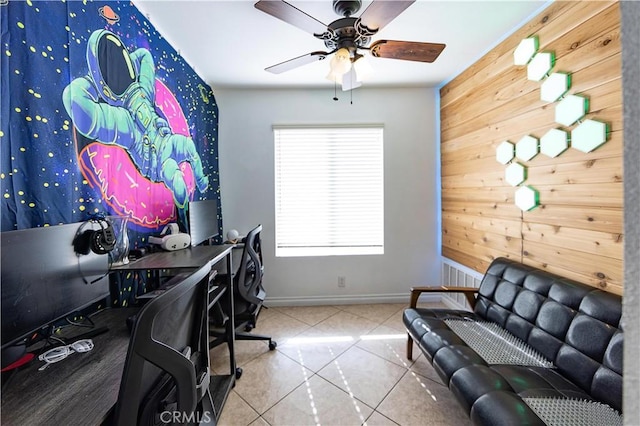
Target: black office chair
(248,295)
(167,365)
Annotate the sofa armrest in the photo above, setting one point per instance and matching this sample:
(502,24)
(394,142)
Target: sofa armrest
(469,293)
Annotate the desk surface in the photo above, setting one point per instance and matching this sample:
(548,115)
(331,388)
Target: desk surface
(189,258)
(83,388)
(79,390)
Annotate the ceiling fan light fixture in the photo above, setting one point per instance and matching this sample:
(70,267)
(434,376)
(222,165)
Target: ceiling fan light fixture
(334,77)
(341,62)
(363,68)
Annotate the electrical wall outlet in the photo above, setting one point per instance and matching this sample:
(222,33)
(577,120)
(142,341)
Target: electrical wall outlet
(342,281)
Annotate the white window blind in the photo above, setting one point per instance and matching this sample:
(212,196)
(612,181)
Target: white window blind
(329,191)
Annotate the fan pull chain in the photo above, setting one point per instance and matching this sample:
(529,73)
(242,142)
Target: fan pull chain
(335,95)
(351,74)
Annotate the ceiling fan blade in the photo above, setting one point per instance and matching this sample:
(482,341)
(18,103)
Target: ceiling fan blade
(380,13)
(349,81)
(297,62)
(292,15)
(407,50)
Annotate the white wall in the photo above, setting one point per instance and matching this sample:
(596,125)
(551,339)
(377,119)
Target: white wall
(411,181)
(630,12)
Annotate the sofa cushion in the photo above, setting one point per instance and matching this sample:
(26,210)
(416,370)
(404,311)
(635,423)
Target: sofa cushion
(555,318)
(421,321)
(590,336)
(449,359)
(472,384)
(501,408)
(569,293)
(474,381)
(603,306)
(545,343)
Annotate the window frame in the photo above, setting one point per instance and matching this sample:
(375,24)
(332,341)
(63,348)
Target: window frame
(348,227)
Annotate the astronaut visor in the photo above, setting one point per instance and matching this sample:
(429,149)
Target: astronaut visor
(115,64)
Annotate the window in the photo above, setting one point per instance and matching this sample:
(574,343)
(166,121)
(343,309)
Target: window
(329,191)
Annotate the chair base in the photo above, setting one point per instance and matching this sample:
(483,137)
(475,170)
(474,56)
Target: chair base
(220,338)
(250,336)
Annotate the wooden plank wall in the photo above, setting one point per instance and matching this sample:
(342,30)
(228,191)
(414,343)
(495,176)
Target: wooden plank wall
(577,230)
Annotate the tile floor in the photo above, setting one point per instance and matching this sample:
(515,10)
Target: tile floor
(334,365)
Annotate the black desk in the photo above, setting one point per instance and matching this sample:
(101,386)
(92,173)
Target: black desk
(83,388)
(189,258)
(79,390)
(220,259)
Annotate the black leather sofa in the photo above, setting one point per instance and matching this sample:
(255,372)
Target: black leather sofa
(575,327)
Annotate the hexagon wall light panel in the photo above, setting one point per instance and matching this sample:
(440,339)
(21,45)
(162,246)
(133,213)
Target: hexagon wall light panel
(554,86)
(586,135)
(527,148)
(525,51)
(527,198)
(505,152)
(589,135)
(515,174)
(571,109)
(540,66)
(554,143)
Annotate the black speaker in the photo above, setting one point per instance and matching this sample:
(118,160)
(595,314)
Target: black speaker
(99,241)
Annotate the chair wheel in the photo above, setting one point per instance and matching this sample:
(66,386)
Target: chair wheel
(248,328)
(238,373)
(272,345)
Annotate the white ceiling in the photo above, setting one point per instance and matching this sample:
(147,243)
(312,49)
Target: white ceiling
(230,43)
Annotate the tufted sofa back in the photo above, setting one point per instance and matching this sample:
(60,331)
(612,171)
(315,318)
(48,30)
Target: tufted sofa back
(574,325)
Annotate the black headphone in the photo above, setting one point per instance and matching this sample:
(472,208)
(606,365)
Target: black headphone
(100,241)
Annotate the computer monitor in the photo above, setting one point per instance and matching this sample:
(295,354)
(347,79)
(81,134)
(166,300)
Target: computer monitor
(203,221)
(44,280)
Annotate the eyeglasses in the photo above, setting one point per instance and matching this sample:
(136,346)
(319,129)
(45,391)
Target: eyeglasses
(61,352)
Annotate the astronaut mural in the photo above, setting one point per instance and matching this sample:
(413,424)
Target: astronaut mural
(115,104)
(100,115)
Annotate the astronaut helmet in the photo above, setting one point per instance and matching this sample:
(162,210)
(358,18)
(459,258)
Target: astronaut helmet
(110,66)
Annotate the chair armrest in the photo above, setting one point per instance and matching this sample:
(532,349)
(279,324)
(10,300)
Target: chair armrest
(469,293)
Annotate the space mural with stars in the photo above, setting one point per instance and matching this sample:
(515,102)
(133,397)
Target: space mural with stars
(100,115)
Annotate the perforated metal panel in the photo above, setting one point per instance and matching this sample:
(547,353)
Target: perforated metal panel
(496,345)
(569,412)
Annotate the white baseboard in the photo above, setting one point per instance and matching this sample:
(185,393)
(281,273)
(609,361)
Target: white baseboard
(453,273)
(359,299)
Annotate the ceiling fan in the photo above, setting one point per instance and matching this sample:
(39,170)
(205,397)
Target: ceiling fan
(345,36)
